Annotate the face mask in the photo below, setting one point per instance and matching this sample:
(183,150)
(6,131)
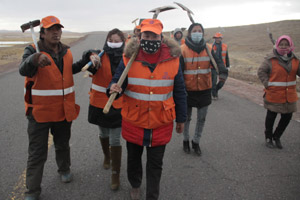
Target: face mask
(150,46)
(114,45)
(196,37)
(283,51)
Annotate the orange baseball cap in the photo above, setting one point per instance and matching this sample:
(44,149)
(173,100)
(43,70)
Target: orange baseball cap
(138,27)
(218,35)
(49,21)
(153,25)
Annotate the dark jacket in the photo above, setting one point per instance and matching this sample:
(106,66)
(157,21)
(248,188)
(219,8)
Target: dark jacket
(28,66)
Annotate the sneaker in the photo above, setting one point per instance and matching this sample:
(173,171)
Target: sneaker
(66,178)
(278,143)
(269,143)
(135,193)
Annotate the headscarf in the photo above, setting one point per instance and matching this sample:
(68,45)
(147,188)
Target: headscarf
(284,51)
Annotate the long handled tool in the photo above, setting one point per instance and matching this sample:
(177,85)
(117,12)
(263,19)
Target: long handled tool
(189,12)
(132,58)
(30,25)
(271,36)
(90,63)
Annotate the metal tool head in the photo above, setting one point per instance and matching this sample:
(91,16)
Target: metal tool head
(189,12)
(134,21)
(184,8)
(160,9)
(30,24)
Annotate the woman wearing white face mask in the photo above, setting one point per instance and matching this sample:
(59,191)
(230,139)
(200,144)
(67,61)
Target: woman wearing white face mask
(278,74)
(110,123)
(196,66)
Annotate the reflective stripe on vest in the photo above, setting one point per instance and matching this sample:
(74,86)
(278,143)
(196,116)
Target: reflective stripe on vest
(148,97)
(52,92)
(150,83)
(98,88)
(284,84)
(196,59)
(198,71)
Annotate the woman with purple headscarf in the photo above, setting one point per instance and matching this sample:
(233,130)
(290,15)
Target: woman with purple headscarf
(278,74)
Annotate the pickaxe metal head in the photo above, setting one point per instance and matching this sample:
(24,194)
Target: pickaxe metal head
(134,21)
(30,24)
(160,9)
(189,12)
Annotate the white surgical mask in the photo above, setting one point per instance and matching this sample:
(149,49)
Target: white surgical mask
(114,45)
(196,37)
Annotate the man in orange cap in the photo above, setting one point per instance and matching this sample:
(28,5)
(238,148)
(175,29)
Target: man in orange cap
(154,95)
(49,102)
(221,51)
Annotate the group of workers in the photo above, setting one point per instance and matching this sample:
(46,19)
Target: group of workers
(168,77)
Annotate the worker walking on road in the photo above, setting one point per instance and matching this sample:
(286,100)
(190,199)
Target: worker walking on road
(221,51)
(154,96)
(49,102)
(196,65)
(278,74)
(110,123)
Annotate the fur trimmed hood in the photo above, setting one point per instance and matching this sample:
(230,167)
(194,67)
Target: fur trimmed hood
(134,44)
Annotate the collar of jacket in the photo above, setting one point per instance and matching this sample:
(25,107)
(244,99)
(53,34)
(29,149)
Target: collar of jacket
(62,48)
(169,49)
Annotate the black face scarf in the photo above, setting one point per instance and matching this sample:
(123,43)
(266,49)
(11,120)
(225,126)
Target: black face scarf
(150,46)
(115,56)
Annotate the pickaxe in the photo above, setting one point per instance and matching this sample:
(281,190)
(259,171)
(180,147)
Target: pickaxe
(160,9)
(271,36)
(30,25)
(189,12)
(131,60)
(134,21)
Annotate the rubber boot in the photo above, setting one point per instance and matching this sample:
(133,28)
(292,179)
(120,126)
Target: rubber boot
(116,154)
(196,148)
(106,152)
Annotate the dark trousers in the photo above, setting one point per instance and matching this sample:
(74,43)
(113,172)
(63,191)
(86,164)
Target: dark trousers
(216,86)
(283,123)
(38,150)
(153,168)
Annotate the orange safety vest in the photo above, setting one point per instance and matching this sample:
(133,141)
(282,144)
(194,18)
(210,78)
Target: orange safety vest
(148,99)
(50,93)
(100,82)
(224,51)
(282,85)
(197,69)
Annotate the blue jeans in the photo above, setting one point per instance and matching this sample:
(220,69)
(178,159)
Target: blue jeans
(114,135)
(201,116)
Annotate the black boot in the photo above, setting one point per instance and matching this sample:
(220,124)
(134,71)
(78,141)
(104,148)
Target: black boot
(196,148)
(278,143)
(269,143)
(186,147)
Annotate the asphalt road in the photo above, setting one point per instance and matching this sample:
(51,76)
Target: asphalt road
(235,163)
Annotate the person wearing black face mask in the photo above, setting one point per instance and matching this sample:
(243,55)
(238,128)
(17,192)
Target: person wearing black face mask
(154,95)
(110,123)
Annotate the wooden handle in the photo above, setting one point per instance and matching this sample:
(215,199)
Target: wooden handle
(212,58)
(120,82)
(85,67)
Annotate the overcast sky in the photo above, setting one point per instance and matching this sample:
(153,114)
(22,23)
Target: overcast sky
(100,15)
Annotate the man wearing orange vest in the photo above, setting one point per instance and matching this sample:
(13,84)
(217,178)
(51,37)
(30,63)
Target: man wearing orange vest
(221,51)
(154,96)
(49,102)
(278,74)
